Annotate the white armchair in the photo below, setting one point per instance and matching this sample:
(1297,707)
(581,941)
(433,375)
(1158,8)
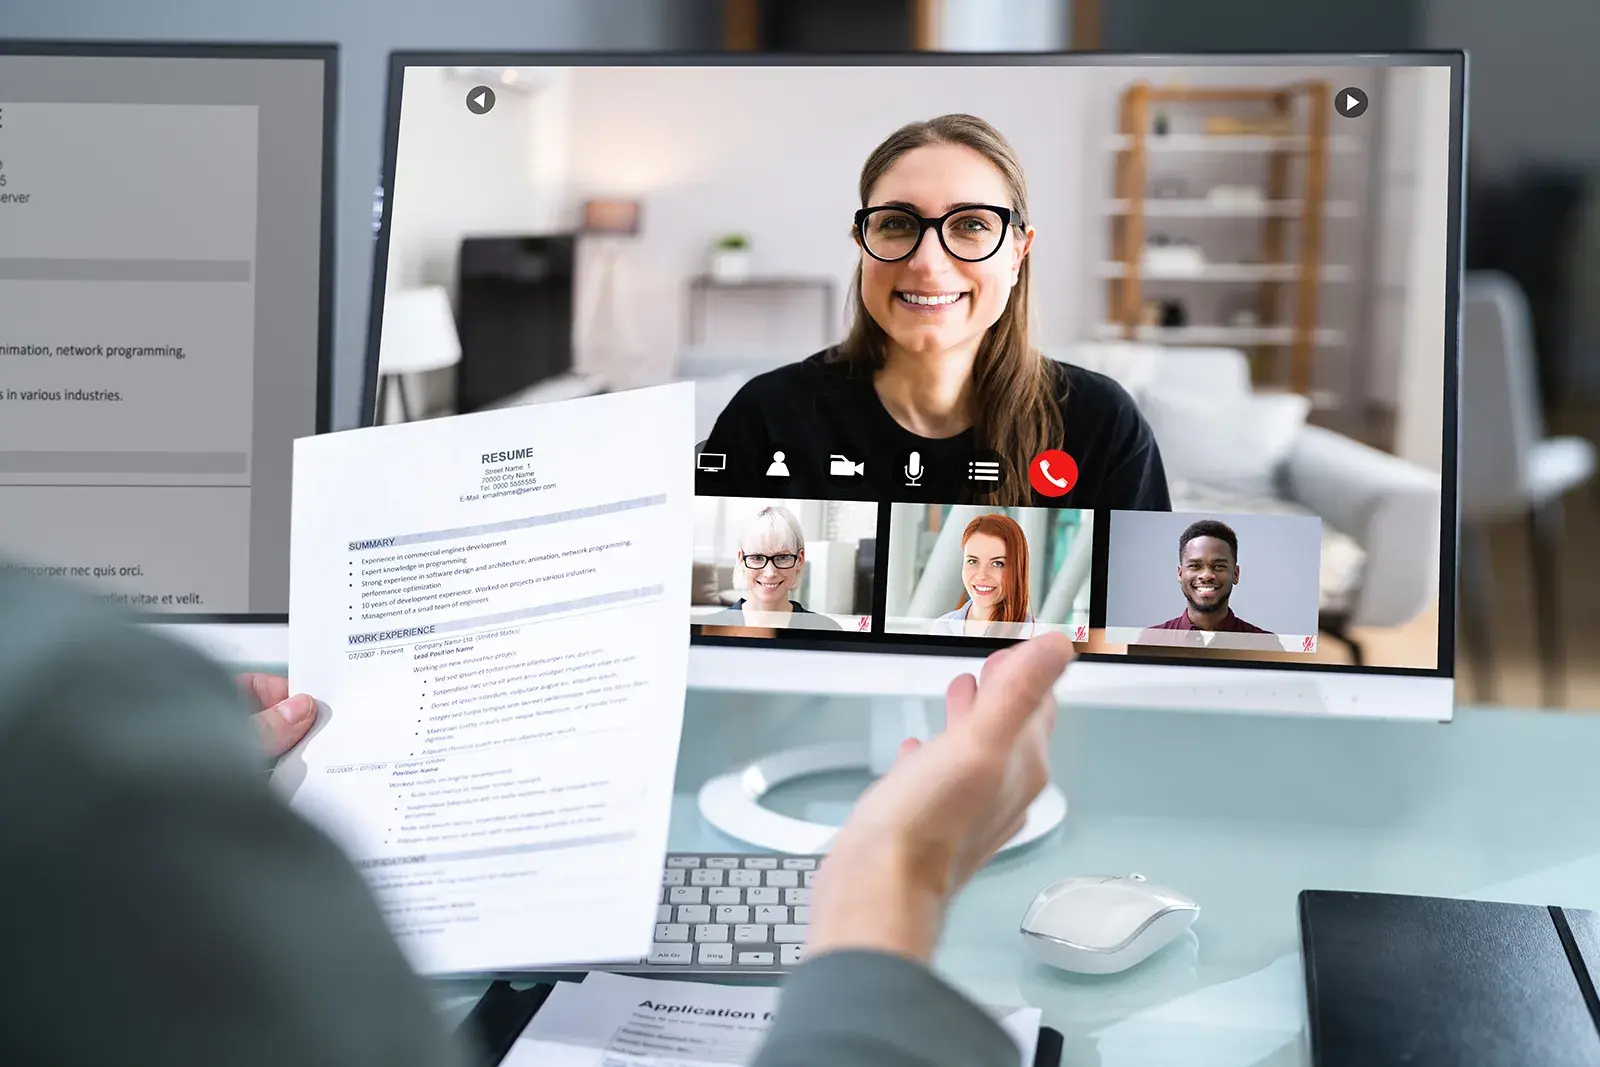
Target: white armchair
(1381,514)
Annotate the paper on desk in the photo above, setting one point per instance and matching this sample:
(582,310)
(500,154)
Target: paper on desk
(490,609)
(611,1020)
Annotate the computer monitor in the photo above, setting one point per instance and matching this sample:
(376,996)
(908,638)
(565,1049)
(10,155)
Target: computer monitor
(166,222)
(1156,351)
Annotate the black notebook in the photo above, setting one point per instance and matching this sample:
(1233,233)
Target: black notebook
(1432,982)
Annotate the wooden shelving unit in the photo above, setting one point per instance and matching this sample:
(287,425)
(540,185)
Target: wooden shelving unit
(1287,128)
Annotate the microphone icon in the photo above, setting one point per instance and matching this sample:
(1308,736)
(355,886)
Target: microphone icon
(914,469)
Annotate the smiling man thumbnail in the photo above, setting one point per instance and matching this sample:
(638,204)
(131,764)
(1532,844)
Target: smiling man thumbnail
(1208,569)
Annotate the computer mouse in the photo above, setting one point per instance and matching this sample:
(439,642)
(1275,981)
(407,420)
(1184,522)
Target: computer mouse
(1104,924)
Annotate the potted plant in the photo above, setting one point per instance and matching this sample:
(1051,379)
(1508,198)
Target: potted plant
(730,258)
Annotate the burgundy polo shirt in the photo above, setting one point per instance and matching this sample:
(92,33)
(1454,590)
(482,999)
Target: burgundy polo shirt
(1232,625)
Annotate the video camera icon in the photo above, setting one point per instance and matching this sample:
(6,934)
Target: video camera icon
(843,467)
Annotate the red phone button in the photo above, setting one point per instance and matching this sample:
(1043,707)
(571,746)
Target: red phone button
(1053,472)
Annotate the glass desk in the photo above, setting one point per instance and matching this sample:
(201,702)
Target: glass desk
(1238,812)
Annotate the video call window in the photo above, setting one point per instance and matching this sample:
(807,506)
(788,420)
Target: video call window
(894,284)
(1186,580)
(965,571)
(767,564)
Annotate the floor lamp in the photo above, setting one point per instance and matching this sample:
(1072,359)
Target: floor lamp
(610,221)
(419,335)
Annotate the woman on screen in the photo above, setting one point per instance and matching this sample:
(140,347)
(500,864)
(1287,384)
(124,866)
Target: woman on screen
(994,573)
(938,362)
(768,565)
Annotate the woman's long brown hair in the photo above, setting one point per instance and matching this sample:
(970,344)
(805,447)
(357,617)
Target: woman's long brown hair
(1015,411)
(1013,605)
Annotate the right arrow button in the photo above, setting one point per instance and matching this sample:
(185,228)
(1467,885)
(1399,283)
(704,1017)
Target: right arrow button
(1351,103)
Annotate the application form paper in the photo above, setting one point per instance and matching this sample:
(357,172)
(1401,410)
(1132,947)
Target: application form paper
(611,1020)
(489,610)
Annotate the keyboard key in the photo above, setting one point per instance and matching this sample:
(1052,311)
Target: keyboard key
(722,863)
(790,896)
(792,955)
(663,898)
(671,953)
(799,863)
(760,863)
(711,932)
(711,953)
(782,879)
(720,895)
(802,915)
(761,896)
(683,861)
(750,934)
(772,914)
(789,933)
(704,877)
(694,913)
(663,913)
(733,913)
(671,932)
(684,894)
(672,877)
(811,876)
(755,959)
(743,878)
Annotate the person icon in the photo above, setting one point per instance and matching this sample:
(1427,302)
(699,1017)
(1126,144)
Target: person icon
(779,468)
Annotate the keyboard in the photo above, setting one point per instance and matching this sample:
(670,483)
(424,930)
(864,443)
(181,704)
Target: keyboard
(722,914)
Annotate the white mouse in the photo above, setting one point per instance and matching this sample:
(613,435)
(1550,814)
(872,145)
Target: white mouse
(1102,924)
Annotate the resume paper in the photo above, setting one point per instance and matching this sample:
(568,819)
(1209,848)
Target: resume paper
(489,611)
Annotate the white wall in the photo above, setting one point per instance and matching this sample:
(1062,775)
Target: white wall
(459,174)
(776,152)
(1423,235)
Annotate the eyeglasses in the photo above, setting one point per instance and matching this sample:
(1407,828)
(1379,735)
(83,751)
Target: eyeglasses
(971,234)
(783,560)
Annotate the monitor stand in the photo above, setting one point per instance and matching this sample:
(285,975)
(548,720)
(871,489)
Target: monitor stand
(732,802)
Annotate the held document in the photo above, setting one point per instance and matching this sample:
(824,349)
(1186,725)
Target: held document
(489,611)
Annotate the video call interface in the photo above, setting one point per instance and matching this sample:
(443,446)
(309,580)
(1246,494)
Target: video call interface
(1150,355)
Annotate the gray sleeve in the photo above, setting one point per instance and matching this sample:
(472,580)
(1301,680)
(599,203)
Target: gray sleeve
(873,1009)
(159,904)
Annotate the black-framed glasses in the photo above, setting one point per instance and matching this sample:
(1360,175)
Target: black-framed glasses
(783,560)
(971,233)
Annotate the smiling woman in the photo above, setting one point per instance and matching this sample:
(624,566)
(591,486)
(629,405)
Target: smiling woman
(938,361)
(994,575)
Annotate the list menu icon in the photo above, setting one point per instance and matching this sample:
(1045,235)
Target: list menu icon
(983,470)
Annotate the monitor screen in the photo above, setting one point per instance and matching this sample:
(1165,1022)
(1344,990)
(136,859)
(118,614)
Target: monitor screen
(165,316)
(1155,352)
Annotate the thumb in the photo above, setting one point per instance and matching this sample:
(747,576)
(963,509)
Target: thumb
(281,726)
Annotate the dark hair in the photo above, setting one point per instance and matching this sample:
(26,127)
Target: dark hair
(1209,528)
(1016,411)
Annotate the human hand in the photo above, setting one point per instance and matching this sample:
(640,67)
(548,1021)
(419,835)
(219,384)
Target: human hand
(283,719)
(946,806)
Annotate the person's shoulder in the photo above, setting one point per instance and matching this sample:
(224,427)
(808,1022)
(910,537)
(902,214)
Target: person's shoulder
(1082,387)
(1250,627)
(1175,623)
